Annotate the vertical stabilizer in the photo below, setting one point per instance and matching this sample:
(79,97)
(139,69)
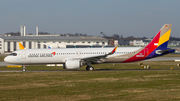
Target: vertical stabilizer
(21,46)
(164,35)
(157,47)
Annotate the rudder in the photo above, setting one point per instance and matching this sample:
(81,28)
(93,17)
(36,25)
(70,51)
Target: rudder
(165,34)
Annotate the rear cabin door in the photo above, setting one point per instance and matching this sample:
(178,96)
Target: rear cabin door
(145,52)
(23,54)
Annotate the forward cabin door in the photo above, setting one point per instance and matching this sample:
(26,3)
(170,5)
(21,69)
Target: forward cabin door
(23,54)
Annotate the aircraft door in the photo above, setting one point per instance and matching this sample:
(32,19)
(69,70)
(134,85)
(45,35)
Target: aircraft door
(146,52)
(23,54)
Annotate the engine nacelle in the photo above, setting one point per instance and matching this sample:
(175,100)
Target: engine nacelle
(72,64)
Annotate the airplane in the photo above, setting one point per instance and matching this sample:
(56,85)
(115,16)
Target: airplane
(74,58)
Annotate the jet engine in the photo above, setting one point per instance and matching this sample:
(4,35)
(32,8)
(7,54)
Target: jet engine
(72,64)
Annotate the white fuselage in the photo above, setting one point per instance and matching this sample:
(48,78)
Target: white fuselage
(46,56)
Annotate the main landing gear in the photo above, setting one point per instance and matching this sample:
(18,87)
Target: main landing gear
(89,68)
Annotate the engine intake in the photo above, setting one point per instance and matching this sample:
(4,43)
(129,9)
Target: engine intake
(72,64)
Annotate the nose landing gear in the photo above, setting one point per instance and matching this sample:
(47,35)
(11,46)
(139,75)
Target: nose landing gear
(24,68)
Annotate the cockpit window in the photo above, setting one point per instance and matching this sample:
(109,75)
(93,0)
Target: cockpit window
(13,54)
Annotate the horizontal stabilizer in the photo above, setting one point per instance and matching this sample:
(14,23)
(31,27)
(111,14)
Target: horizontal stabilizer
(163,51)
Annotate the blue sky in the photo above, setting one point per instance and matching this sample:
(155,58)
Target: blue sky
(127,17)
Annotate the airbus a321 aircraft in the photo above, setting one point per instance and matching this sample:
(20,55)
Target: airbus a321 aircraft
(74,58)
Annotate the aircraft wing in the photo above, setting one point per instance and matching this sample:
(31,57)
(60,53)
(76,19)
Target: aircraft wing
(97,58)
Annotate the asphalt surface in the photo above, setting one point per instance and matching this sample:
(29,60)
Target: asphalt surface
(4,64)
(89,71)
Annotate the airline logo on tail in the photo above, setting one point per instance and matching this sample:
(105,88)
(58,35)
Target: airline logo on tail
(157,47)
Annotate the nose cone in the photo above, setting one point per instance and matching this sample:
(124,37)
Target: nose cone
(7,59)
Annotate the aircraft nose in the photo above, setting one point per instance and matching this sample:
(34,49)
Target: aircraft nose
(6,59)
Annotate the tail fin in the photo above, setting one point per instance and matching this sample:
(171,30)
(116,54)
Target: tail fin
(21,46)
(159,42)
(162,37)
(157,47)
(114,50)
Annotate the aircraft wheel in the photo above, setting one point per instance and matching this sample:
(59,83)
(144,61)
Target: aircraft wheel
(91,68)
(87,68)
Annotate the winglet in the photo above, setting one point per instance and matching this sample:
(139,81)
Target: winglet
(21,46)
(114,50)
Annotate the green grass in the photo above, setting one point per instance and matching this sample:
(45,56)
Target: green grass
(123,85)
(2,58)
(91,86)
(106,66)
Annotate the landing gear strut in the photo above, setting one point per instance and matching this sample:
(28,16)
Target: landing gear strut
(89,67)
